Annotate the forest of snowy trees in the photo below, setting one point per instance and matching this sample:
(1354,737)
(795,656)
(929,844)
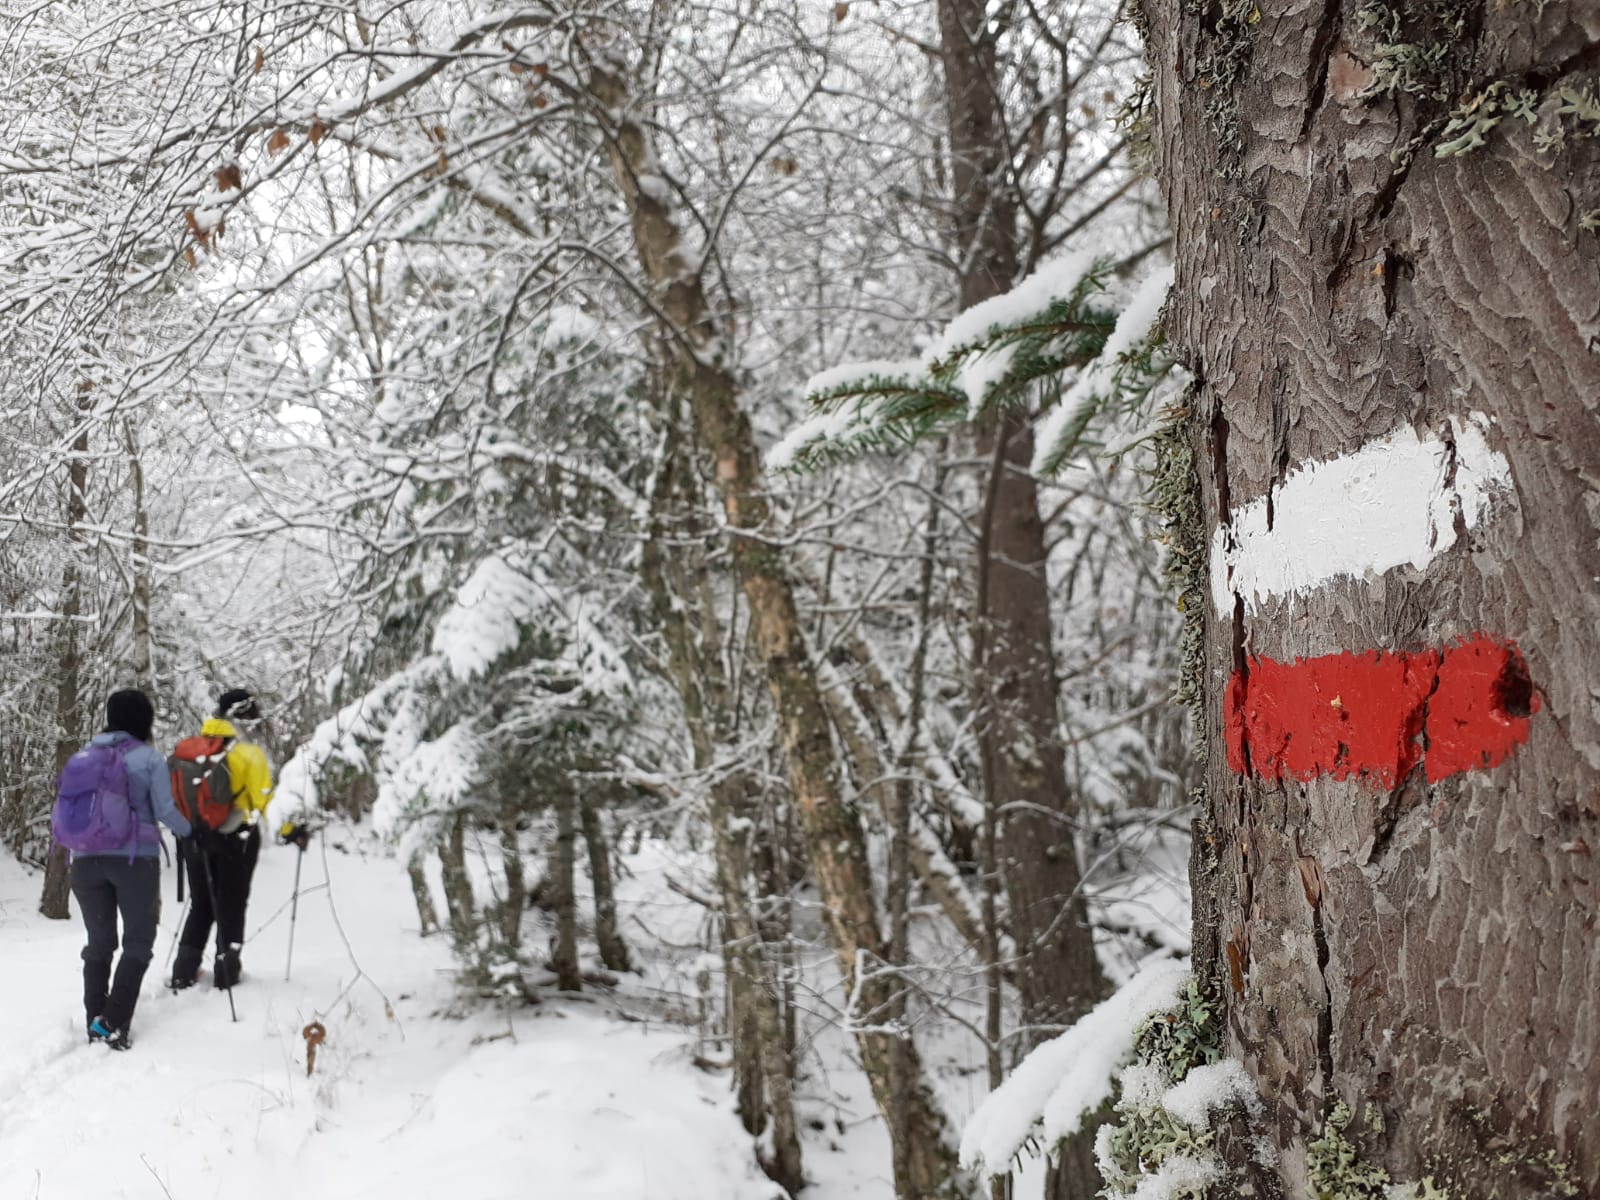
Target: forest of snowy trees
(965,476)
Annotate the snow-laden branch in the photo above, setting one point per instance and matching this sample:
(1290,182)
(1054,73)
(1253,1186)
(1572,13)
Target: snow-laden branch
(1011,352)
(1069,1076)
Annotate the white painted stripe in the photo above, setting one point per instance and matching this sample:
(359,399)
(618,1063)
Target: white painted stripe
(1392,503)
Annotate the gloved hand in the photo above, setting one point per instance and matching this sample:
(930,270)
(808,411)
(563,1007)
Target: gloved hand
(292,834)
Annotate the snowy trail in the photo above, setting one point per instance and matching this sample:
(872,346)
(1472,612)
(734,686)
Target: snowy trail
(551,1101)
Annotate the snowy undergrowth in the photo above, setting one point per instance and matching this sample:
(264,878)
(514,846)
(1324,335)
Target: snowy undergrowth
(1154,1047)
(563,1099)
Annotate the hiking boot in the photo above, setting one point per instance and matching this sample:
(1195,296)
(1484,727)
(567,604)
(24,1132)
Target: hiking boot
(117,1039)
(227,970)
(186,967)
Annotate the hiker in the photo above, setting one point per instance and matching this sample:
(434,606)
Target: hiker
(112,793)
(220,858)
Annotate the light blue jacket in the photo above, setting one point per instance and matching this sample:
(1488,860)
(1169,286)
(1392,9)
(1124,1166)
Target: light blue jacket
(149,793)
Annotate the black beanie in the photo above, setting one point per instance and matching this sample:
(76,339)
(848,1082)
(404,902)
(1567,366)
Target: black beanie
(131,712)
(237,704)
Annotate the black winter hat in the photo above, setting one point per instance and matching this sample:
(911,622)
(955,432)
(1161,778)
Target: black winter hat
(130,712)
(237,704)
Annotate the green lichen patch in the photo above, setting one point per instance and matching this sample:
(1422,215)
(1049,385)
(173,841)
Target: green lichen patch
(1144,1139)
(1182,1038)
(1468,126)
(1173,491)
(1224,59)
(1336,1166)
(1135,119)
(1420,47)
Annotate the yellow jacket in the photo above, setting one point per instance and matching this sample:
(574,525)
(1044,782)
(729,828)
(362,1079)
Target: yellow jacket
(247,770)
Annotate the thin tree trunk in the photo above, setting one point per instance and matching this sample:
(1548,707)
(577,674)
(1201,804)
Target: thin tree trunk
(458,899)
(427,914)
(925,1161)
(53,900)
(613,950)
(673,570)
(900,856)
(1403,924)
(139,558)
(516,897)
(569,978)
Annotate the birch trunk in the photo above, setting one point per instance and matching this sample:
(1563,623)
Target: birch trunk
(925,1165)
(674,571)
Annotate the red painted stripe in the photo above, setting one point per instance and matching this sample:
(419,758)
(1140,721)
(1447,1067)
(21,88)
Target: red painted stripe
(1375,716)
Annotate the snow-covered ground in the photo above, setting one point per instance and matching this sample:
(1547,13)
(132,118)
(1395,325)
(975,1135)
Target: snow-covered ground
(421,1093)
(563,1100)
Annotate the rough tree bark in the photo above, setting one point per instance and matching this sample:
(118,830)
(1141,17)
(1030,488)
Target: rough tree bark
(1016,682)
(1368,240)
(694,346)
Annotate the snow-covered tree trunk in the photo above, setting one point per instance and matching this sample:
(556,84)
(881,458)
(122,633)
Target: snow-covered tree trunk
(674,570)
(1388,289)
(53,899)
(1015,676)
(925,1165)
(139,568)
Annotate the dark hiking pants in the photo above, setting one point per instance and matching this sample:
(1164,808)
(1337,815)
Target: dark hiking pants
(106,885)
(220,868)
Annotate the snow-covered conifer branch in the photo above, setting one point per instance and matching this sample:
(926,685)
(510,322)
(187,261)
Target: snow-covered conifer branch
(1013,352)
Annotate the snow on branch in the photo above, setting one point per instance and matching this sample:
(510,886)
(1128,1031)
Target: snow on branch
(488,615)
(1128,366)
(861,407)
(1010,352)
(1070,1075)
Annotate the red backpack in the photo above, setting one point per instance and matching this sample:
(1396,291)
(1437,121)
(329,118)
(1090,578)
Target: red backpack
(201,785)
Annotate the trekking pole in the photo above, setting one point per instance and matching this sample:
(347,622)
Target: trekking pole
(294,911)
(299,835)
(211,888)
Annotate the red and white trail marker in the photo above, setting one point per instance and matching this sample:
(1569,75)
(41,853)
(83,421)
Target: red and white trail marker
(1370,715)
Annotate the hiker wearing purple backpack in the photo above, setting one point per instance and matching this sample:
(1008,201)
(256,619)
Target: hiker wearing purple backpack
(112,793)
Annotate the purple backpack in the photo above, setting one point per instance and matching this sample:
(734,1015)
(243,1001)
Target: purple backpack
(94,809)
